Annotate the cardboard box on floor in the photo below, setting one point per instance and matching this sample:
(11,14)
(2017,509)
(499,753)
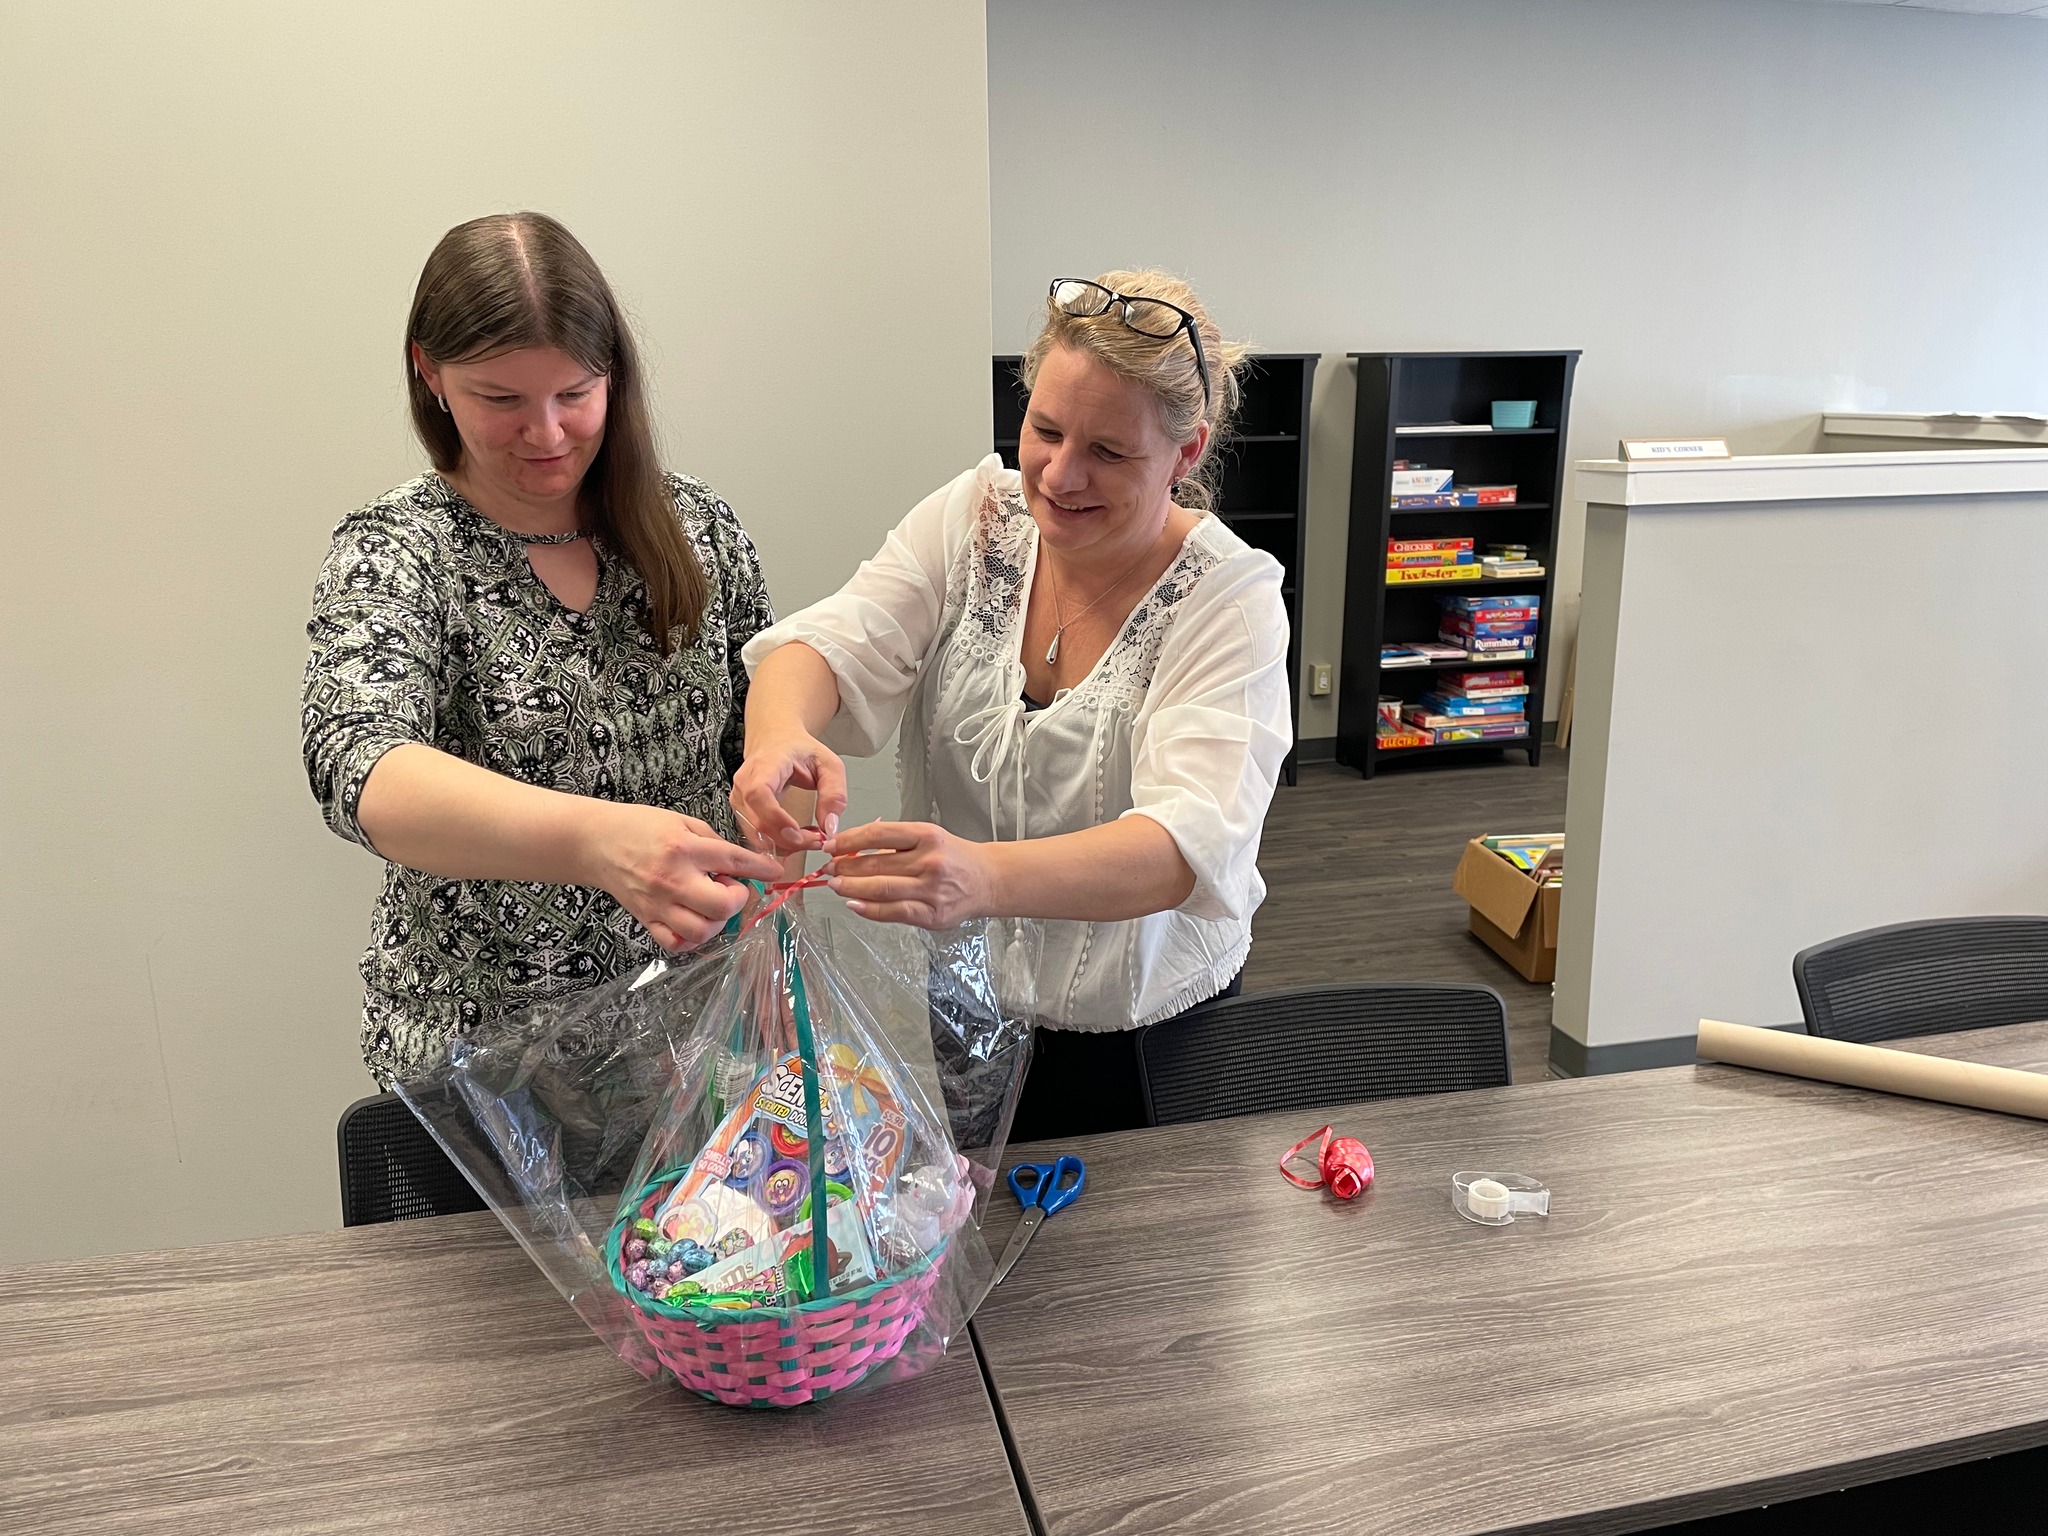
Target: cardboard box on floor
(1516,917)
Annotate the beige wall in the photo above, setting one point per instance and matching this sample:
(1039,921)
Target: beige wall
(213,218)
(1744,211)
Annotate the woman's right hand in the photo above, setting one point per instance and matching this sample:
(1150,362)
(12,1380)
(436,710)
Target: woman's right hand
(780,760)
(677,877)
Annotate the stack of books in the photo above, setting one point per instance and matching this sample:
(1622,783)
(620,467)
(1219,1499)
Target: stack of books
(1430,560)
(1490,628)
(1419,653)
(1540,855)
(1509,560)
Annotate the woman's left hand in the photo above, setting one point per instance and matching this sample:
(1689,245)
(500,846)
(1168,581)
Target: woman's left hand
(911,872)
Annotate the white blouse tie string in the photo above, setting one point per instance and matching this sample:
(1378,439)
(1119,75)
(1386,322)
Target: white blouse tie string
(996,732)
(996,735)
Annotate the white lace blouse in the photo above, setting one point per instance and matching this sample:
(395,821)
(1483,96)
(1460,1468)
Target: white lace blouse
(1184,720)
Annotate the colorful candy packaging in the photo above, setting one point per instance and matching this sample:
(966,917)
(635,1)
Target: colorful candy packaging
(760,1169)
(747,1198)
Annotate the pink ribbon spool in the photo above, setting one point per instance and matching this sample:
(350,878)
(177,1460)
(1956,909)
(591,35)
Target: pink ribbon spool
(1343,1166)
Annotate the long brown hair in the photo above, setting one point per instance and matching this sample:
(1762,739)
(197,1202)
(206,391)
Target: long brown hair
(515,280)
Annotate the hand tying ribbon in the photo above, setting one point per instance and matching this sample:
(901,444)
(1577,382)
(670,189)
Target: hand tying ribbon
(782,890)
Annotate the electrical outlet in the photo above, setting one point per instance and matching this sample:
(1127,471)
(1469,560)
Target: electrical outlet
(1319,678)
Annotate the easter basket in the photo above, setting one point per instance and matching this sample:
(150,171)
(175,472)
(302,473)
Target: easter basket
(769,1357)
(757,1171)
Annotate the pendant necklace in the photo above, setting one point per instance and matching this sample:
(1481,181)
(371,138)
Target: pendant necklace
(1052,652)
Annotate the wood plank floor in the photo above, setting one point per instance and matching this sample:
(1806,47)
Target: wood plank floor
(1359,881)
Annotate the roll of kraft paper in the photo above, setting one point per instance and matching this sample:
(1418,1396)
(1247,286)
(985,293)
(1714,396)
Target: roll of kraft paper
(1873,1066)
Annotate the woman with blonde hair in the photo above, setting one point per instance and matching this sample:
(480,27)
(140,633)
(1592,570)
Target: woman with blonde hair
(525,689)
(1088,672)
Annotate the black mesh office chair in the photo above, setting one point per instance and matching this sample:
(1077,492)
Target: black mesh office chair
(1323,1045)
(392,1170)
(1925,978)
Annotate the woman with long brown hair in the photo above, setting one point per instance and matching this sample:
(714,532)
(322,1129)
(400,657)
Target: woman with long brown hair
(525,690)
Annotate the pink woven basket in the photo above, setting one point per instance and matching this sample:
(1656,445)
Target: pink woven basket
(779,1358)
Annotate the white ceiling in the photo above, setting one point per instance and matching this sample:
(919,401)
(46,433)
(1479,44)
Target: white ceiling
(1980,7)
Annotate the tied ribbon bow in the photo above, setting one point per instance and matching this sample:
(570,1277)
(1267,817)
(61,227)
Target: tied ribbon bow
(867,1089)
(995,733)
(1342,1164)
(782,890)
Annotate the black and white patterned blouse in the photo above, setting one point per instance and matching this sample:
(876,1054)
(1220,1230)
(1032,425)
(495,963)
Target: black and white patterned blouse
(429,626)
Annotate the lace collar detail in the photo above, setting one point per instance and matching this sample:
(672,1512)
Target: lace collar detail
(992,596)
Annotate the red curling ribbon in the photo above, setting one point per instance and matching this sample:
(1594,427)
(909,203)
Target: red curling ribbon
(1342,1164)
(782,891)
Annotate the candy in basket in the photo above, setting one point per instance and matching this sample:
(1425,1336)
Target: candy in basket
(798,1218)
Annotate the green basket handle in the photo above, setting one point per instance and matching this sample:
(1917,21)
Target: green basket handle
(814,1119)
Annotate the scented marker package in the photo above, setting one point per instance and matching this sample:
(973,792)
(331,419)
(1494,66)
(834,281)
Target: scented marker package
(758,1170)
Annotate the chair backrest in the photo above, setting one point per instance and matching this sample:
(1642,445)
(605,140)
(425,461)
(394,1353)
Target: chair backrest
(1323,1045)
(1925,978)
(392,1170)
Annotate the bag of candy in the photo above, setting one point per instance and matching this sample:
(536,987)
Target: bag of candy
(761,1168)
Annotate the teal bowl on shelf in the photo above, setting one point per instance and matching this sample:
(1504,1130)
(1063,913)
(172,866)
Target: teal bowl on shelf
(1513,413)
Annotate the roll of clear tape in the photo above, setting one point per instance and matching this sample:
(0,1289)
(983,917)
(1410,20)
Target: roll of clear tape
(1495,1199)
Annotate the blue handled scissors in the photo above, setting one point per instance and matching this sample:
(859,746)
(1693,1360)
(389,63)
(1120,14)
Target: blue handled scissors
(1041,1188)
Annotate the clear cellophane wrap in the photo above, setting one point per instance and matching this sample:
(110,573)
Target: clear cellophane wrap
(650,1143)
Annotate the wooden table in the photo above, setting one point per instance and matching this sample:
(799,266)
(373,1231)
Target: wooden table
(1750,1288)
(339,1382)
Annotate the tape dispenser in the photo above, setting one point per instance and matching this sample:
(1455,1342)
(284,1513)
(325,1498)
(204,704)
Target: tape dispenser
(1495,1199)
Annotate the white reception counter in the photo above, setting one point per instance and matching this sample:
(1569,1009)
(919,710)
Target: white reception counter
(1812,697)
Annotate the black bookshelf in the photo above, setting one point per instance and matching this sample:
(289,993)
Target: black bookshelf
(1262,474)
(1403,400)
(1011,397)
